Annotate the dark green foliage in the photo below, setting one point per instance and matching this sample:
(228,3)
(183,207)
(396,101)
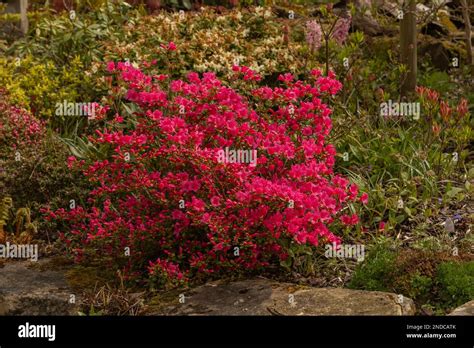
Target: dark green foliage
(374,272)
(456,282)
(424,277)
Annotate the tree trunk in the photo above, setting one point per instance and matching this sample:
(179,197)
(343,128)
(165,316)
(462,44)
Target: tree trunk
(467,28)
(408,54)
(23,16)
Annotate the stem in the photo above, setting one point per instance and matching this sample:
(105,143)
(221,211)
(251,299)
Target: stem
(326,39)
(467,30)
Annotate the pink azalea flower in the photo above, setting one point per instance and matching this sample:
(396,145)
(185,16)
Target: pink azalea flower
(364,198)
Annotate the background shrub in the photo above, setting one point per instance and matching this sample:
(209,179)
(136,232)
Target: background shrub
(33,166)
(456,282)
(432,279)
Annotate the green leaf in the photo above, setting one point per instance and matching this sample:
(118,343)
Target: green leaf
(400,218)
(187,4)
(286,263)
(291,253)
(453,192)
(469,186)
(408,211)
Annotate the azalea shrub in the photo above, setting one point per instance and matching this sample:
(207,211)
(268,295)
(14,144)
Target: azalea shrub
(165,201)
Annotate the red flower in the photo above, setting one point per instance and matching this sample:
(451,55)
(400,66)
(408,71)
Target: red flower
(170,47)
(432,95)
(110,66)
(215,201)
(421,91)
(436,128)
(349,219)
(462,108)
(444,110)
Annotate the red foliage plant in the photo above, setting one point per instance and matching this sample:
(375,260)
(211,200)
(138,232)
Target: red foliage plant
(19,130)
(181,212)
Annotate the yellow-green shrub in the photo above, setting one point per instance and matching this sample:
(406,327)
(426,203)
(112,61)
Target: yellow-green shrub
(37,86)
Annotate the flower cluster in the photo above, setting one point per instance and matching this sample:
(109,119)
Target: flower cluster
(166,273)
(163,195)
(313,35)
(448,115)
(341,30)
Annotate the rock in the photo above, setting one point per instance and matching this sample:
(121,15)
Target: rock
(282,12)
(440,26)
(434,29)
(422,9)
(26,290)
(362,20)
(368,25)
(465,309)
(266,297)
(441,52)
(388,8)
